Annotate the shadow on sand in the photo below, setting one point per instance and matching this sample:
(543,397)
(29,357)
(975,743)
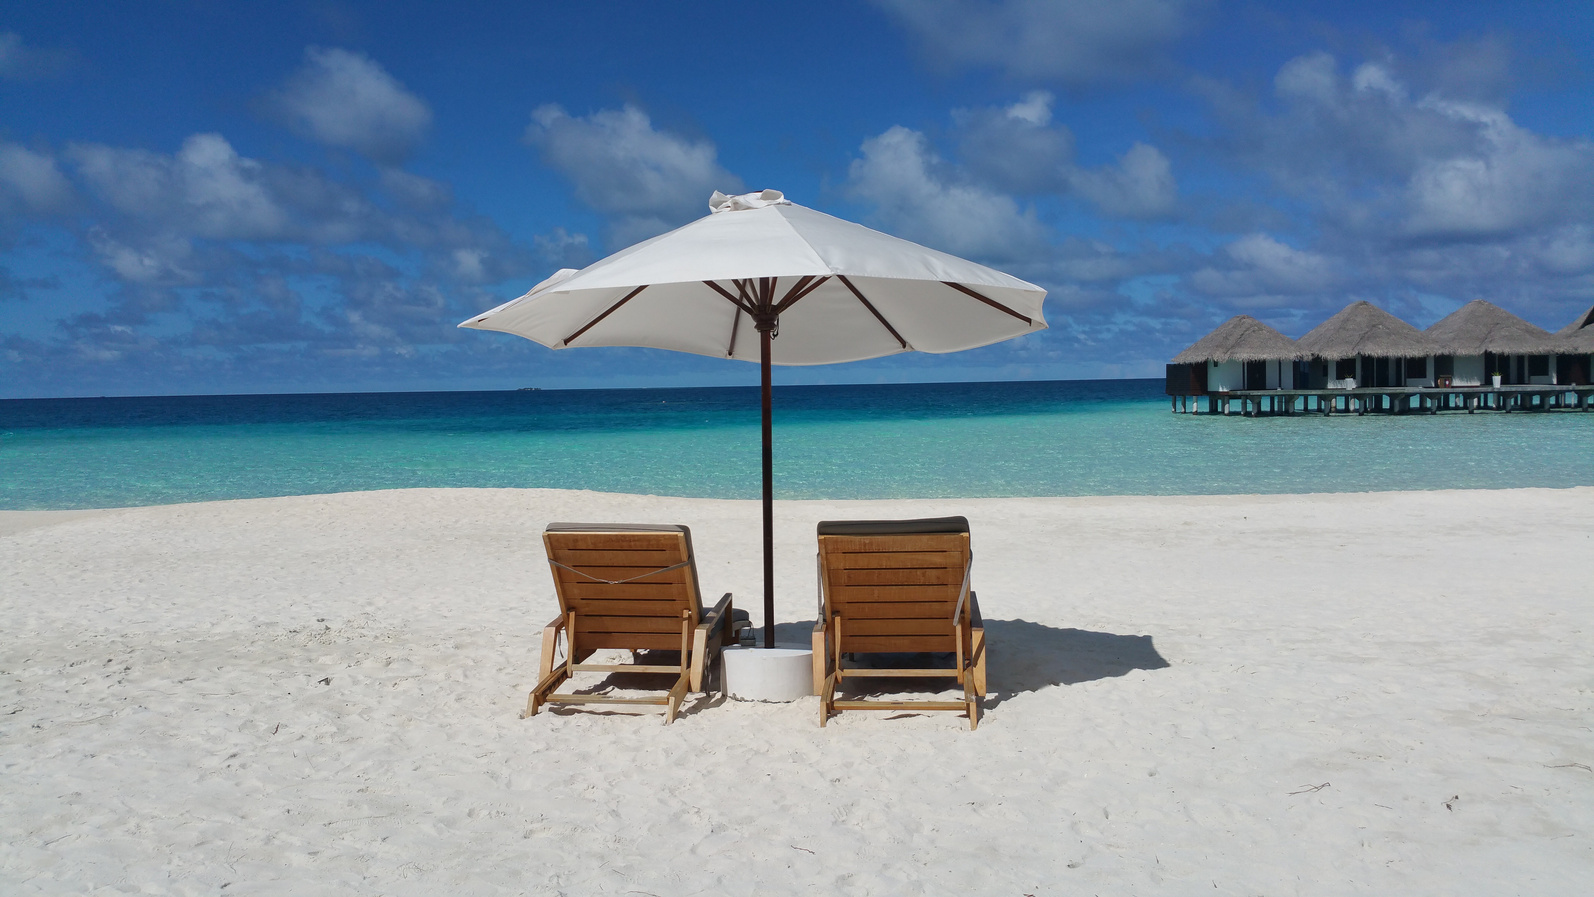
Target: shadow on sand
(1029,656)
(1024,657)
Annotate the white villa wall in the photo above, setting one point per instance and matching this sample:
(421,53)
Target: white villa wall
(1231,375)
(1469,369)
(1226,376)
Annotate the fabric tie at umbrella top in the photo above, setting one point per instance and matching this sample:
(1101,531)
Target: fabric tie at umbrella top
(760,266)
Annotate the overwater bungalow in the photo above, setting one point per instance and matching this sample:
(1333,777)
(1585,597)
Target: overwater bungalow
(1243,353)
(1575,364)
(1365,346)
(1481,340)
(1365,359)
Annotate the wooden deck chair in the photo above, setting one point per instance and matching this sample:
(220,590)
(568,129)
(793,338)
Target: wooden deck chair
(897,586)
(629,586)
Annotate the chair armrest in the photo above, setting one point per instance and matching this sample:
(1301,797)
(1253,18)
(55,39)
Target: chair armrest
(716,618)
(550,638)
(977,665)
(708,639)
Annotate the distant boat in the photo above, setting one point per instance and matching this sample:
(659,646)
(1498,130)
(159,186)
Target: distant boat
(529,389)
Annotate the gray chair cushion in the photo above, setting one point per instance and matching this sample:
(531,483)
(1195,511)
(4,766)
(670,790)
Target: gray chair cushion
(923,525)
(620,528)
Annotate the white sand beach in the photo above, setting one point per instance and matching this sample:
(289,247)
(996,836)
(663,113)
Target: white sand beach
(1387,693)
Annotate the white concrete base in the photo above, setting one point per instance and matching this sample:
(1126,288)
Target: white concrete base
(781,673)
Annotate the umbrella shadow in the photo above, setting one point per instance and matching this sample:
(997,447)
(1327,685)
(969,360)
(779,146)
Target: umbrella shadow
(1024,657)
(1027,656)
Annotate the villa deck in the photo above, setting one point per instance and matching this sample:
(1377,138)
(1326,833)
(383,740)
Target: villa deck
(1390,400)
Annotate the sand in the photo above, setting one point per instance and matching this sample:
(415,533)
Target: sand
(1383,693)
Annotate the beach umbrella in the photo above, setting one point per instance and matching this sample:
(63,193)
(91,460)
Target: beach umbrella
(762,278)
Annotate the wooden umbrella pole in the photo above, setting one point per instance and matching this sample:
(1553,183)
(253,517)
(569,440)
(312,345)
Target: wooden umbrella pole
(769,493)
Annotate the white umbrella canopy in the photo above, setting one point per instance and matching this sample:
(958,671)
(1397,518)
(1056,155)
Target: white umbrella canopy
(867,294)
(763,278)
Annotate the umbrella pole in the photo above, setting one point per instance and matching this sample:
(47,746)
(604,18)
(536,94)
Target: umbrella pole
(769,494)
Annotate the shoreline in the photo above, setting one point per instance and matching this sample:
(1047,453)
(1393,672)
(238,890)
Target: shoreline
(320,694)
(10,517)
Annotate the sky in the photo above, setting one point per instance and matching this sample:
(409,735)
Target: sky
(309,196)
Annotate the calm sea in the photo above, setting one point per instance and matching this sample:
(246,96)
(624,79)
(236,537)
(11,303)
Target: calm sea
(1114,437)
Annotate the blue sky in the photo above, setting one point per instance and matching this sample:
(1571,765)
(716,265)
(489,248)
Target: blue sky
(285,197)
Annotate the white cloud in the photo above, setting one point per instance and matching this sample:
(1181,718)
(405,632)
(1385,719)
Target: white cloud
(1016,149)
(1035,108)
(1259,266)
(20,62)
(1314,76)
(1336,137)
(32,181)
(207,188)
(562,249)
(164,260)
(1140,185)
(1372,77)
(245,271)
(209,225)
(345,99)
(1380,161)
(918,198)
(1075,42)
(1567,251)
(647,180)
(1513,179)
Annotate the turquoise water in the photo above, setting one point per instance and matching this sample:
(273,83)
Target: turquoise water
(922,440)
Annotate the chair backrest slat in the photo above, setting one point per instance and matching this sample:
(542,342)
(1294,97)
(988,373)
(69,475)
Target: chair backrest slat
(590,573)
(896,592)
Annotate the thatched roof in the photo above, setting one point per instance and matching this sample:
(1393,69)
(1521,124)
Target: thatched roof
(1362,328)
(1578,336)
(1479,327)
(1241,338)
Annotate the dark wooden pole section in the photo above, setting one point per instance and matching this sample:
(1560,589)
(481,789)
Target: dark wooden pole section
(769,495)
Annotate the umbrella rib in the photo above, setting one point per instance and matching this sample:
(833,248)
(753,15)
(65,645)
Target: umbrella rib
(611,310)
(795,290)
(726,293)
(736,324)
(872,310)
(801,289)
(987,300)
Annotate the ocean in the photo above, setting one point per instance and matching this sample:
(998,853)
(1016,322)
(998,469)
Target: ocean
(1096,437)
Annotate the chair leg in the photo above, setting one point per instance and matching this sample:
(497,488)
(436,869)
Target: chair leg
(827,699)
(972,701)
(546,686)
(550,644)
(701,646)
(821,658)
(677,694)
(978,656)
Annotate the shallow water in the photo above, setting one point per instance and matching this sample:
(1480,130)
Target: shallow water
(1114,437)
